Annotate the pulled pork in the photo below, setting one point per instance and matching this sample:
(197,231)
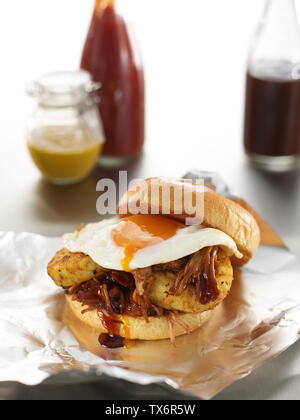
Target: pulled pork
(173,266)
(121,293)
(113,293)
(201,272)
(144,276)
(143,280)
(174,320)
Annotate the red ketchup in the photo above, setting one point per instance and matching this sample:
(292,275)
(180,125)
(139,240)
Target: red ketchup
(110,56)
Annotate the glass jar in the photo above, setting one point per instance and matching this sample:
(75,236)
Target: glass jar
(64,133)
(272,118)
(113,58)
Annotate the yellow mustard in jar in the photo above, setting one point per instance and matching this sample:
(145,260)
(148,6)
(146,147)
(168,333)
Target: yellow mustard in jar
(64,155)
(65,133)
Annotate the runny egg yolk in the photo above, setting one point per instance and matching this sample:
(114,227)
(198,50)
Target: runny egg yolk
(138,232)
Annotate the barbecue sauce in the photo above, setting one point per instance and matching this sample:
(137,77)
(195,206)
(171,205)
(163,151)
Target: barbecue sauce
(112,339)
(111,57)
(272,123)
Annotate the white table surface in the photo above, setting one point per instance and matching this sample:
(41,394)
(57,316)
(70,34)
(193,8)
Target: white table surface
(195,69)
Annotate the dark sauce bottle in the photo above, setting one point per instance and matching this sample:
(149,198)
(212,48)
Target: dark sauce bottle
(272,115)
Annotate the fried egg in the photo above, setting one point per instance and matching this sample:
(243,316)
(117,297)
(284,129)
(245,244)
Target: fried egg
(144,240)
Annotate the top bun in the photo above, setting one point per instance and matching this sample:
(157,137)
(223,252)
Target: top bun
(219,212)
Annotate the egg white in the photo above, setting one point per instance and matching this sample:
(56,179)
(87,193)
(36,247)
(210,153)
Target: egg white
(96,241)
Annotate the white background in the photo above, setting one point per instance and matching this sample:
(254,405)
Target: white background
(194,52)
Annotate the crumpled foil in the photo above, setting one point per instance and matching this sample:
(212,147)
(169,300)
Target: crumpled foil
(259,320)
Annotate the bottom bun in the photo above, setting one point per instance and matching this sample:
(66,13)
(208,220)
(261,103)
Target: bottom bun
(132,328)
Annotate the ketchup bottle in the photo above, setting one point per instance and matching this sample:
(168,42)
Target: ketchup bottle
(111,56)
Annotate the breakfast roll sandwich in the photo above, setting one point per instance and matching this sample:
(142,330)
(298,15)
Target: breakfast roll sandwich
(141,276)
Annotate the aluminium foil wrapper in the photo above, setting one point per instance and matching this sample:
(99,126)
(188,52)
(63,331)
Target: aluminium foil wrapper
(258,321)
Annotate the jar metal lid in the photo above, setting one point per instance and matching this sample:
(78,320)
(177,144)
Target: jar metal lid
(63,88)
